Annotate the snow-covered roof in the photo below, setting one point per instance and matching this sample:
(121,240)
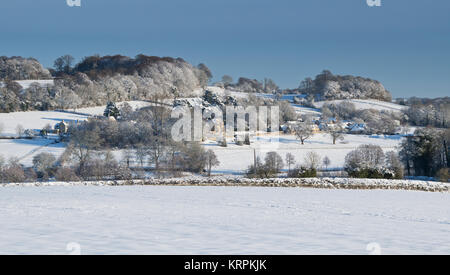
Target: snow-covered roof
(358,127)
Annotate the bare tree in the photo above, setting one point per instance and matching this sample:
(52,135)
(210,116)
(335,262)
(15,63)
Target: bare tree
(66,174)
(312,160)
(326,162)
(270,86)
(290,161)
(141,153)
(211,161)
(336,132)
(393,162)
(304,131)
(206,76)
(127,157)
(2,163)
(307,85)
(20,131)
(273,162)
(126,111)
(227,80)
(43,163)
(13,172)
(174,158)
(82,144)
(159,118)
(156,151)
(64,63)
(194,157)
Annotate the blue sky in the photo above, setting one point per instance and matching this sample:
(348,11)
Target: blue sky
(405,44)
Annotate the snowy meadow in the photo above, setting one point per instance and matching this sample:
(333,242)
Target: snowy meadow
(221,220)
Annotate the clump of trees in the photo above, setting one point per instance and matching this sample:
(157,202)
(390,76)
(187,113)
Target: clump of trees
(308,169)
(286,111)
(11,172)
(369,161)
(272,165)
(145,138)
(45,165)
(84,159)
(344,110)
(246,85)
(428,112)
(97,80)
(19,68)
(327,86)
(426,152)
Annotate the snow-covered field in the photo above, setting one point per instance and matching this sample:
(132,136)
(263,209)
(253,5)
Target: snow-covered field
(221,220)
(362,104)
(35,120)
(306,110)
(99,110)
(25,150)
(235,159)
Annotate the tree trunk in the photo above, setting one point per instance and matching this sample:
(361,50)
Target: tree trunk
(254,162)
(447,155)
(408,166)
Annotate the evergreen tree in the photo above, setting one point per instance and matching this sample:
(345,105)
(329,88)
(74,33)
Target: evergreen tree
(111,110)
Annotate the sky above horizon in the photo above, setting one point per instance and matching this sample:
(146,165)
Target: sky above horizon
(405,44)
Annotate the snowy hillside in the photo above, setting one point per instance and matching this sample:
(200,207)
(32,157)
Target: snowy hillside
(362,104)
(219,220)
(35,120)
(302,110)
(320,143)
(99,110)
(23,149)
